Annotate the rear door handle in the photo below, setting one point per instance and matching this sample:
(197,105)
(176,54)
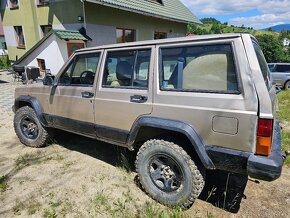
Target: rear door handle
(87,94)
(138,98)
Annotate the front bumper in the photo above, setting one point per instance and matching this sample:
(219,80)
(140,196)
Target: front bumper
(268,168)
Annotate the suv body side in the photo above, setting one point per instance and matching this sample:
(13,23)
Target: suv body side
(221,123)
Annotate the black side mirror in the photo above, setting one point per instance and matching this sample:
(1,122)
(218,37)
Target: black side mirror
(48,80)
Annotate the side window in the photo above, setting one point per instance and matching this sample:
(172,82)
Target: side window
(283,68)
(263,64)
(198,69)
(81,71)
(127,69)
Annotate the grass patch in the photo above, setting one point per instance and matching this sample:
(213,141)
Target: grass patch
(284,105)
(284,116)
(3,183)
(18,207)
(33,207)
(100,199)
(35,158)
(49,213)
(152,211)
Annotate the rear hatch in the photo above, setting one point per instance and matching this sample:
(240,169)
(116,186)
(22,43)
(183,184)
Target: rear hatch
(266,93)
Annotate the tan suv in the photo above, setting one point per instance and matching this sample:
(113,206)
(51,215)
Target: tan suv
(186,104)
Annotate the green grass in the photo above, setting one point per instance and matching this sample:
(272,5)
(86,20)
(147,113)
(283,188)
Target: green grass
(284,106)
(3,183)
(284,116)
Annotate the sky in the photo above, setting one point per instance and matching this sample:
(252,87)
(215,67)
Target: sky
(258,14)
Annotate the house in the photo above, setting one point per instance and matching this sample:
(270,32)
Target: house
(53,50)
(286,42)
(26,22)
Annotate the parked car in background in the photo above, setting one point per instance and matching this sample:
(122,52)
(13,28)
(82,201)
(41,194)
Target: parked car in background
(281,74)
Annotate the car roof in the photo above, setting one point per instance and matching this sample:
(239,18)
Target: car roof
(165,41)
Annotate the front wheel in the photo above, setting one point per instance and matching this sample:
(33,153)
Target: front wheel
(28,128)
(168,174)
(287,85)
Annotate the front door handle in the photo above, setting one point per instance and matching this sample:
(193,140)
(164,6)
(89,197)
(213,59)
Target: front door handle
(138,98)
(87,94)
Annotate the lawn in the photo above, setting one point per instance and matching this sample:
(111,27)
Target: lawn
(284,116)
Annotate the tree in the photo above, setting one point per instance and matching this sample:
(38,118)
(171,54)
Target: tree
(272,48)
(216,29)
(191,28)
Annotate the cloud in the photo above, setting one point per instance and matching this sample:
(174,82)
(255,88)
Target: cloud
(272,12)
(261,21)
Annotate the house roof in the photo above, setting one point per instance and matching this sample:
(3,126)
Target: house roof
(169,9)
(61,34)
(69,35)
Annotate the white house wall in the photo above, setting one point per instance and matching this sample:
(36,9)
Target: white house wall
(52,50)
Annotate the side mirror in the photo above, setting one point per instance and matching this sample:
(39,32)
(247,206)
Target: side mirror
(48,80)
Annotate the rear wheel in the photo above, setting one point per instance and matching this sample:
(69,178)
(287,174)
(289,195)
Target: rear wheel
(168,174)
(28,128)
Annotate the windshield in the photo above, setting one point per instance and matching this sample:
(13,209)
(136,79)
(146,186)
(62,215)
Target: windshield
(271,67)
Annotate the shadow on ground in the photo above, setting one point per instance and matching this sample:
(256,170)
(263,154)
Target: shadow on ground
(223,190)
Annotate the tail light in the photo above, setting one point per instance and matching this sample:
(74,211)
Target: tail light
(264,136)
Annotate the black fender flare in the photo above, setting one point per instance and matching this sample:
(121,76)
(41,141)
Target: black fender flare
(34,104)
(173,125)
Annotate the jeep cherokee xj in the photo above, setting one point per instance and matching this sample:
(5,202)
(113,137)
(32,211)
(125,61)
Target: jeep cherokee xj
(186,105)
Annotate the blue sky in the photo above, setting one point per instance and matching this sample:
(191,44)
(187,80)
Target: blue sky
(254,13)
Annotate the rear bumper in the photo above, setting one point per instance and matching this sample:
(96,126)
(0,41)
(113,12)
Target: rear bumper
(256,166)
(268,168)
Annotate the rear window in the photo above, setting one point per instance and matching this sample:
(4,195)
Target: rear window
(203,68)
(263,64)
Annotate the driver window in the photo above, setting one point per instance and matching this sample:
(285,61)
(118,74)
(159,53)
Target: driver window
(81,71)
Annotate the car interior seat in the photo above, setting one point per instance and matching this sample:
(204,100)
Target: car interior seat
(123,74)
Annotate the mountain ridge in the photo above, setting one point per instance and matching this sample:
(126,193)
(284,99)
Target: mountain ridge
(279,28)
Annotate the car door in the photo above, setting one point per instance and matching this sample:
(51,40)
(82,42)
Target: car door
(72,98)
(124,91)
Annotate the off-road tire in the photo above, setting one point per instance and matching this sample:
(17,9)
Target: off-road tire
(192,182)
(42,138)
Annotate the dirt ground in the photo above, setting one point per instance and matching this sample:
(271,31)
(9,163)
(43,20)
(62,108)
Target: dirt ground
(79,177)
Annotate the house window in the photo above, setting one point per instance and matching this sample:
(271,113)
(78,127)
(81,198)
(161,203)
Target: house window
(160,35)
(157,1)
(45,29)
(125,35)
(14,3)
(19,36)
(42,2)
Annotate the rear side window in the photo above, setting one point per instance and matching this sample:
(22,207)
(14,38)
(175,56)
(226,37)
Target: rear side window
(263,64)
(283,68)
(127,69)
(208,68)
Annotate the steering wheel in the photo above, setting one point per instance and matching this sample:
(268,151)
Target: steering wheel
(87,77)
